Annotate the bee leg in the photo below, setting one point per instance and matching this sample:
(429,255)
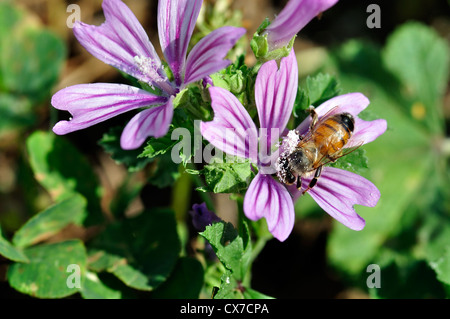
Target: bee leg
(290,178)
(314,180)
(299,182)
(314,117)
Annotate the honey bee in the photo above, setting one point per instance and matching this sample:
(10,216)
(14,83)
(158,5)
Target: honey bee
(324,143)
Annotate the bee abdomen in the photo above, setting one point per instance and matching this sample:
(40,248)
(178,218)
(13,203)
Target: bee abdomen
(334,132)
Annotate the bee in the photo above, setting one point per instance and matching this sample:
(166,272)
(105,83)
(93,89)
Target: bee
(324,143)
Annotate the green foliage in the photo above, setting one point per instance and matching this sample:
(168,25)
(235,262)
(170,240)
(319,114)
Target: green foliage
(50,221)
(130,158)
(94,288)
(140,251)
(10,252)
(419,58)
(230,176)
(234,250)
(58,165)
(185,281)
(46,273)
(356,162)
(231,249)
(31,58)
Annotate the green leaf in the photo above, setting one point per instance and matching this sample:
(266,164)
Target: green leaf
(166,172)
(158,146)
(317,89)
(301,104)
(229,288)
(230,176)
(47,274)
(419,58)
(402,276)
(63,171)
(31,62)
(253,294)
(130,158)
(141,251)
(15,111)
(10,252)
(321,88)
(94,288)
(442,267)
(356,161)
(230,248)
(185,282)
(50,221)
(31,57)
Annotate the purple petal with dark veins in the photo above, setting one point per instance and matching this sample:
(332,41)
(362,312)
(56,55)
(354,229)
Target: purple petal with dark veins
(176,22)
(295,15)
(232,129)
(151,122)
(337,191)
(207,56)
(268,198)
(90,104)
(119,40)
(275,92)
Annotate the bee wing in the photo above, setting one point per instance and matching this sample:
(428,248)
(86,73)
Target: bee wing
(305,138)
(333,157)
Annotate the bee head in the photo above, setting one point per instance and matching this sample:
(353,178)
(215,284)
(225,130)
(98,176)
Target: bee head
(299,162)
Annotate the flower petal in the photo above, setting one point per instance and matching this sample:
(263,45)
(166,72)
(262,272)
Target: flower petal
(207,56)
(337,191)
(232,129)
(275,92)
(118,40)
(267,198)
(90,104)
(151,122)
(366,131)
(295,15)
(176,22)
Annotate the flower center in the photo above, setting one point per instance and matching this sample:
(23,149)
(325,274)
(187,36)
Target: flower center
(287,146)
(154,74)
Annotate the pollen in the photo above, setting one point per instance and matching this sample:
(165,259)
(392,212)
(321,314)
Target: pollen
(290,142)
(148,67)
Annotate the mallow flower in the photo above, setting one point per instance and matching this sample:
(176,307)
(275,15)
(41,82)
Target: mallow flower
(233,131)
(122,43)
(276,39)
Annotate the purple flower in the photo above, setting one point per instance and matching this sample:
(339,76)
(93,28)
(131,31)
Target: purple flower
(202,216)
(295,15)
(122,43)
(337,191)
(233,131)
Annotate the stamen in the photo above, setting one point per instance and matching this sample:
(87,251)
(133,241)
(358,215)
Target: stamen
(153,71)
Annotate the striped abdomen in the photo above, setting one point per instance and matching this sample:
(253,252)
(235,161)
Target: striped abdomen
(331,135)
